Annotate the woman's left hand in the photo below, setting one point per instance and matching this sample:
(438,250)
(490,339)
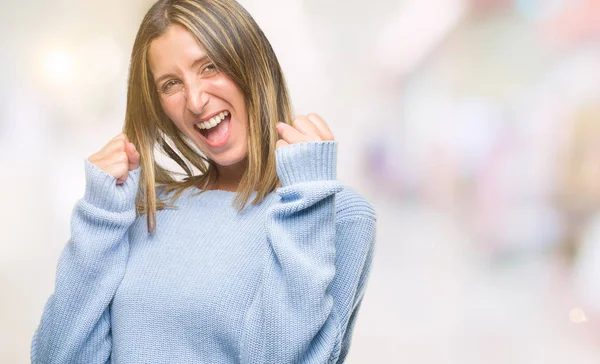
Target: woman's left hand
(310,128)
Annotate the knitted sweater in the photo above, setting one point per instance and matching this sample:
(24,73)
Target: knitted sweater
(280,282)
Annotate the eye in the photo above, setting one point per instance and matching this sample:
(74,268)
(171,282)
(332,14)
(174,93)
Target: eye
(169,86)
(209,68)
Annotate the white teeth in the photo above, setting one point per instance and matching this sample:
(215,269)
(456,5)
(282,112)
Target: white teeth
(214,121)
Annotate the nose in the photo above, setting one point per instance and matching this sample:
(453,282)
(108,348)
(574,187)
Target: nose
(196,99)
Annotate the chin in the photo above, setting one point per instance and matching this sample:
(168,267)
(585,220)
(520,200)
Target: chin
(230,160)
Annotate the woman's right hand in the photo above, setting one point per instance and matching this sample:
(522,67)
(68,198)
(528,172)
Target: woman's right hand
(117,158)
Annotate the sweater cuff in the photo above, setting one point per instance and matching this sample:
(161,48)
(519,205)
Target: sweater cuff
(307,162)
(102,191)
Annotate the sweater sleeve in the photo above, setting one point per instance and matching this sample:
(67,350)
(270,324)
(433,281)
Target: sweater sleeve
(75,324)
(308,295)
(350,282)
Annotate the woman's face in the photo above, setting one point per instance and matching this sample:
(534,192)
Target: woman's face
(206,105)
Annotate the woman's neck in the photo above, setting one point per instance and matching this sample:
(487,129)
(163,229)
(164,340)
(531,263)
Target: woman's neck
(229,177)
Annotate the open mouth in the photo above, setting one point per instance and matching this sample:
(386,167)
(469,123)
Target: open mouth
(216,129)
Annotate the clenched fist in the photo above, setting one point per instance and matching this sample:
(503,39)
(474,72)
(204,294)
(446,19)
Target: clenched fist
(117,158)
(304,129)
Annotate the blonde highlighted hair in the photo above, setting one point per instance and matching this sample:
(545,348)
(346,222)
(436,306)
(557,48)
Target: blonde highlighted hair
(238,47)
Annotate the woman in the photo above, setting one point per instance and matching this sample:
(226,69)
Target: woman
(207,276)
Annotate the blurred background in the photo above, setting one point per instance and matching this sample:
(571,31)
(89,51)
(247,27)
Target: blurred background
(473,126)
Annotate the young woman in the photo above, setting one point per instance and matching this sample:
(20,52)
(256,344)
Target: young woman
(160,270)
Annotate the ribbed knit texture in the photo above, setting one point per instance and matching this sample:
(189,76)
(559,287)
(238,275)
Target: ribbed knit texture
(281,282)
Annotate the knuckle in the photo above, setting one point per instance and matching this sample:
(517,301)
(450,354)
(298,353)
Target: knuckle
(118,172)
(121,138)
(299,121)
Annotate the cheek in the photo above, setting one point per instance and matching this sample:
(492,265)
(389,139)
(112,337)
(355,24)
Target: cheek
(238,102)
(173,111)
(225,88)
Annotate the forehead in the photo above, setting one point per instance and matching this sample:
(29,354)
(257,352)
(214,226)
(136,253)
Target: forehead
(174,50)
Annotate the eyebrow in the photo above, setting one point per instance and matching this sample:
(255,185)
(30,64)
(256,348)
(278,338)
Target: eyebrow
(202,59)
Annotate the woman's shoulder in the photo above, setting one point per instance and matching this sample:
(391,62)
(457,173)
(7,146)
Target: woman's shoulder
(351,204)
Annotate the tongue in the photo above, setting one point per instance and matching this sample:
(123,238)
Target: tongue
(219,132)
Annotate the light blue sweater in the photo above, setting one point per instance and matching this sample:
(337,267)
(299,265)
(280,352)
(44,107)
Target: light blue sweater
(281,282)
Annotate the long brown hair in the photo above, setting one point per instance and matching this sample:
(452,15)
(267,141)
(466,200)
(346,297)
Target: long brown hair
(238,47)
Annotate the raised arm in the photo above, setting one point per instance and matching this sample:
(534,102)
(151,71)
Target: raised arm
(75,325)
(317,264)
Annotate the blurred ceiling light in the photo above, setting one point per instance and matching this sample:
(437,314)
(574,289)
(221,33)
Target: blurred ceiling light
(58,67)
(100,60)
(577,316)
